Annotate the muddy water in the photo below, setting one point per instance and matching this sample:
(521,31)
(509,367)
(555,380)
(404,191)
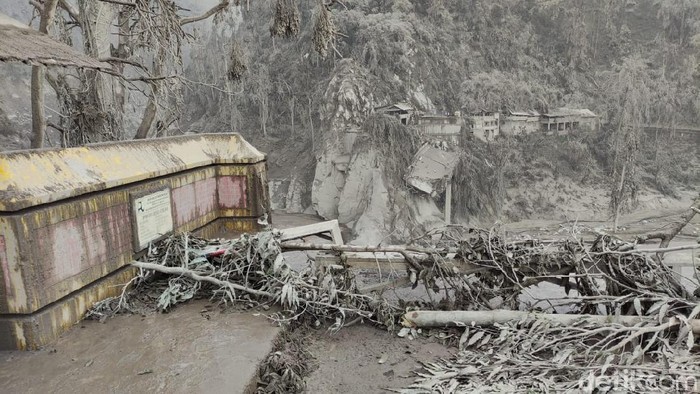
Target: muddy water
(189,350)
(683,262)
(364,359)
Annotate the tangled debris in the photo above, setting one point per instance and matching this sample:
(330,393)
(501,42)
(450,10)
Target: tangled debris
(608,274)
(533,353)
(536,355)
(624,312)
(284,370)
(250,271)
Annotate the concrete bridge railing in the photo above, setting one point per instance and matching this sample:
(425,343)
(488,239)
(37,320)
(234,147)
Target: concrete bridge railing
(72,219)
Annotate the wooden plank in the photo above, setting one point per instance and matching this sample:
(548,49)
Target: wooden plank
(330,226)
(367,261)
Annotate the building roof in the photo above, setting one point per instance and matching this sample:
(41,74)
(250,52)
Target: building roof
(396,106)
(19,43)
(524,113)
(485,113)
(561,112)
(438,116)
(431,165)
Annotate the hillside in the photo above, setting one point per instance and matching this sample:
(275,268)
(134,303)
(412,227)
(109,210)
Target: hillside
(306,97)
(445,56)
(451,55)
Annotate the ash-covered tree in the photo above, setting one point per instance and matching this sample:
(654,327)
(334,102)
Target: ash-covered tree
(128,34)
(261,86)
(631,94)
(143,40)
(502,91)
(680,20)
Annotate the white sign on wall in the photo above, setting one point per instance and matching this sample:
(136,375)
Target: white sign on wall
(153,216)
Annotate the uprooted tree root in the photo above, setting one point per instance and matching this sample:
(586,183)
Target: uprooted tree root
(467,269)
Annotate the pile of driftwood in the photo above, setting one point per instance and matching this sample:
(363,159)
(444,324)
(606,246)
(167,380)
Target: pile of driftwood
(627,313)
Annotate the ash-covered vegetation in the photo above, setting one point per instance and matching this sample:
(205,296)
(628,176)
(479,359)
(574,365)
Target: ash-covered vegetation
(633,64)
(291,75)
(463,55)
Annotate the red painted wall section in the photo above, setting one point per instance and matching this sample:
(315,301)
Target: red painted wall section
(63,245)
(75,245)
(4,265)
(233,192)
(205,193)
(113,226)
(95,236)
(193,201)
(184,204)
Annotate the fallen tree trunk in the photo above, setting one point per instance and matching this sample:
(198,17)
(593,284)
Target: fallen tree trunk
(376,249)
(202,278)
(402,249)
(488,318)
(667,236)
(655,250)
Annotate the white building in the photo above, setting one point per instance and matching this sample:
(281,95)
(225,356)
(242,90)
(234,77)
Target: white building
(564,120)
(520,123)
(486,126)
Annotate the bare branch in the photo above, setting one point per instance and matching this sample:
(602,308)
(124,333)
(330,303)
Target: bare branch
(151,79)
(212,11)
(39,7)
(125,3)
(667,236)
(353,248)
(57,127)
(655,250)
(70,9)
(125,61)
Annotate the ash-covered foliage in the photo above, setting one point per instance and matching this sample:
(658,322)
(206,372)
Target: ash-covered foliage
(324,31)
(534,354)
(607,275)
(396,142)
(284,369)
(285,22)
(537,355)
(246,271)
(461,269)
(237,63)
(482,176)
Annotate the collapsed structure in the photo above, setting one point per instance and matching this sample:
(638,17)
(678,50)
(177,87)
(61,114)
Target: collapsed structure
(71,220)
(431,173)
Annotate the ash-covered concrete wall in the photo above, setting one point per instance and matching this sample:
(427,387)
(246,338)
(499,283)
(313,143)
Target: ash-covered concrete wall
(71,220)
